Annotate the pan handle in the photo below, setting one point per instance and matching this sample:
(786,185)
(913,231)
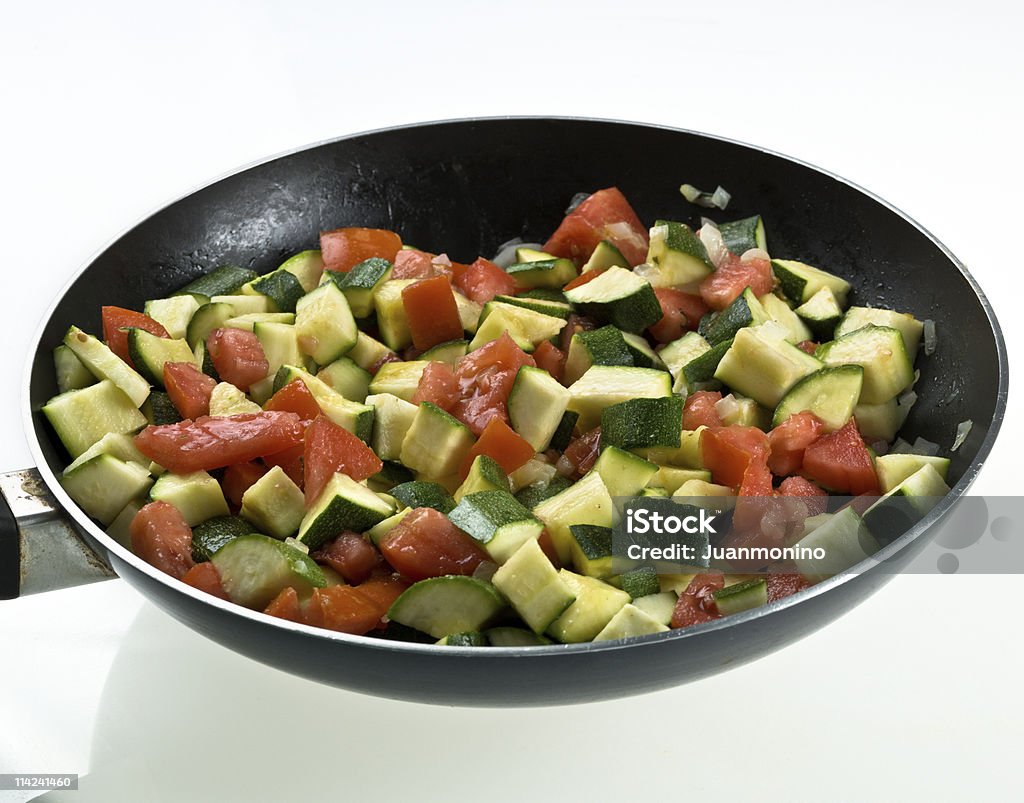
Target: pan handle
(40,549)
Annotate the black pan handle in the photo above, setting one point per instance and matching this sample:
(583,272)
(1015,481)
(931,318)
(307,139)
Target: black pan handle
(40,549)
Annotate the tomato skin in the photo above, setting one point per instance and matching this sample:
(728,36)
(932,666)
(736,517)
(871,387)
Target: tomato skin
(729,451)
(807,347)
(485,378)
(605,215)
(426,544)
(502,443)
(115,319)
(754,502)
(432,313)
(679,312)
(341,608)
(801,488)
(582,279)
(384,359)
(789,440)
(381,591)
(722,287)
(291,462)
(285,605)
(696,604)
(330,448)
(547,546)
(410,264)
(238,356)
(239,478)
(784,584)
(550,358)
(205,577)
(343,249)
(218,441)
(161,537)
(840,461)
(189,388)
(583,451)
(573,326)
(294,398)
(438,385)
(483,280)
(699,410)
(350,555)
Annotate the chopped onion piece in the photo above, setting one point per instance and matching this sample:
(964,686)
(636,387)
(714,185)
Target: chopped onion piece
(713,244)
(577,199)
(507,252)
(297,544)
(565,466)
(754,253)
(706,221)
(926,448)
(900,446)
(930,340)
(690,193)
(880,447)
(963,429)
(485,571)
(720,197)
(726,406)
(442,260)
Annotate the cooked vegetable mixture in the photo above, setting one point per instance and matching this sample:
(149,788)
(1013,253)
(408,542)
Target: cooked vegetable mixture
(379,440)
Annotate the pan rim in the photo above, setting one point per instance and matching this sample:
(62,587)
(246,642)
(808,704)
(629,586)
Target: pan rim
(126,556)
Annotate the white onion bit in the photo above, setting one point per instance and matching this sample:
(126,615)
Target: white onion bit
(930,339)
(926,448)
(720,197)
(713,244)
(963,429)
(754,253)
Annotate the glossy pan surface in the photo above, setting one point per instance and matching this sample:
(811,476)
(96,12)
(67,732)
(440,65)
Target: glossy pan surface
(465,187)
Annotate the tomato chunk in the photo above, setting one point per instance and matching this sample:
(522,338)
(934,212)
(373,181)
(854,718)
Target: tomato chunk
(343,249)
(432,312)
(291,462)
(285,605)
(550,358)
(426,544)
(189,388)
(807,347)
(840,461)
(699,410)
(679,312)
(728,451)
(485,379)
(438,385)
(161,537)
(801,488)
(238,356)
(696,604)
(789,440)
(217,441)
(205,577)
(382,591)
(330,449)
(502,443)
(239,478)
(605,215)
(350,555)
(117,319)
(583,451)
(483,280)
(294,398)
(411,264)
(341,608)
(784,584)
(720,289)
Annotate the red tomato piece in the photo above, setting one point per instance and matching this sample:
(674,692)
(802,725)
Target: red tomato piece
(583,451)
(502,443)
(784,584)
(807,347)
(696,604)
(483,280)
(205,577)
(238,356)
(699,410)
(728,451)
(720,289)
(550,358)
(605,215)
(573,326)
(343,249)
(801,488)
(426,544)
(547,546)
(410,264)
(294,398)
(582,279)
(485,378)
(384,359)
(162,538)
(789,440)
(239,478)
(754,501)
(382,591)
(117,319)
(840,461)
(330,449)
(679,312)
(291,461)
(285,605)
(350,555)
(189,388)
(341,608)
(217,441)
(438,385)
(432,313)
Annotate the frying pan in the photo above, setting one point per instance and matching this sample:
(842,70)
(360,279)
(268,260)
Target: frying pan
(464,187)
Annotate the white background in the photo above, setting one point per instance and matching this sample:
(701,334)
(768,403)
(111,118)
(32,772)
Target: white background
(111,109)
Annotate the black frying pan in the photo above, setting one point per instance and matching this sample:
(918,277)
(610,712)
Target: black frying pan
(465,187)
